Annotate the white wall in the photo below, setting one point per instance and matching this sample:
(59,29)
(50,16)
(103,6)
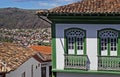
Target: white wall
(91,41)
(26,67)
(84,75)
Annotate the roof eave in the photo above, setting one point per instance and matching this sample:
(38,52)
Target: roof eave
(78,14)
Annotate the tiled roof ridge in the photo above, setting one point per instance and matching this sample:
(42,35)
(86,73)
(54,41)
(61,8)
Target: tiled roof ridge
(42,57)
(88,6)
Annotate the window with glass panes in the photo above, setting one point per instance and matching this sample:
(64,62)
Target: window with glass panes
(108,42)
(75,41)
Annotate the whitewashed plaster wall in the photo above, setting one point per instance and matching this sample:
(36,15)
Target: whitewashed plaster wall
(26,67)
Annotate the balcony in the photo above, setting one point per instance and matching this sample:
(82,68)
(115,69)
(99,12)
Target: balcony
(109,63)
(76,62)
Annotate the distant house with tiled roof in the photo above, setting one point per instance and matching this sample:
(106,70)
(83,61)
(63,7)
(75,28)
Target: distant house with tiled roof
(46,54)
(17,61)
(85,38)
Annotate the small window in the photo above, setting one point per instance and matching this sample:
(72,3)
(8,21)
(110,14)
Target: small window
(23,74)
(36,67)
(39,65)
(31,70)
(43,71)
(50,71)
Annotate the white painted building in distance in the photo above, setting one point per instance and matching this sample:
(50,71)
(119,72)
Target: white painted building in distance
(17,61)
(85,38)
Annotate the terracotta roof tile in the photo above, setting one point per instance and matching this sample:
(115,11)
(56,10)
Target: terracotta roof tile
(88,6)
(42,49)
(45,52)
(12,56)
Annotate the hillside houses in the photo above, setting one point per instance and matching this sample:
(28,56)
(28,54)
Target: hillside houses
(26,37)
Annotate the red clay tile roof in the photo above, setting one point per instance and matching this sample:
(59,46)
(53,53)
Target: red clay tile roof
(88,6)
(42,49)
(13,56)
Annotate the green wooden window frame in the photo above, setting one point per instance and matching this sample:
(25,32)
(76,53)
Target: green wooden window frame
(75,44)
(118,42)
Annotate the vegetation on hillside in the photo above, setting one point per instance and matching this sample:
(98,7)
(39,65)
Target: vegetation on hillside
(15,18)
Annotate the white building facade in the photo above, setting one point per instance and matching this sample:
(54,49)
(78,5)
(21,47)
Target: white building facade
(89,48)
(31,68)
(85,39)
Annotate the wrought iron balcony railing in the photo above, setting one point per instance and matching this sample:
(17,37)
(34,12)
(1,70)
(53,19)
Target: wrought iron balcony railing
(76,62)
(109,63)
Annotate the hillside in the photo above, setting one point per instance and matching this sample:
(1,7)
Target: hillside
(12,18)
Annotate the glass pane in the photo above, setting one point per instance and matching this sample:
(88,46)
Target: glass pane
(80,43)
(115,40)
(103,44)
(70,43)
(81,48)
(113,44)
(111,48)
(111,40)
(115,49)
(105,48)
(102,48)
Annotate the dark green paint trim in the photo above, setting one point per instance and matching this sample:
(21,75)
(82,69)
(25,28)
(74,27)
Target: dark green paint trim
(87,72)
(75,45)
(86,19)
(108,45)
(85,48)
(65,44)
(53,46)
(54,74)
(118,48)
(82,14)
(109,29)
(78,14)
(98,44)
